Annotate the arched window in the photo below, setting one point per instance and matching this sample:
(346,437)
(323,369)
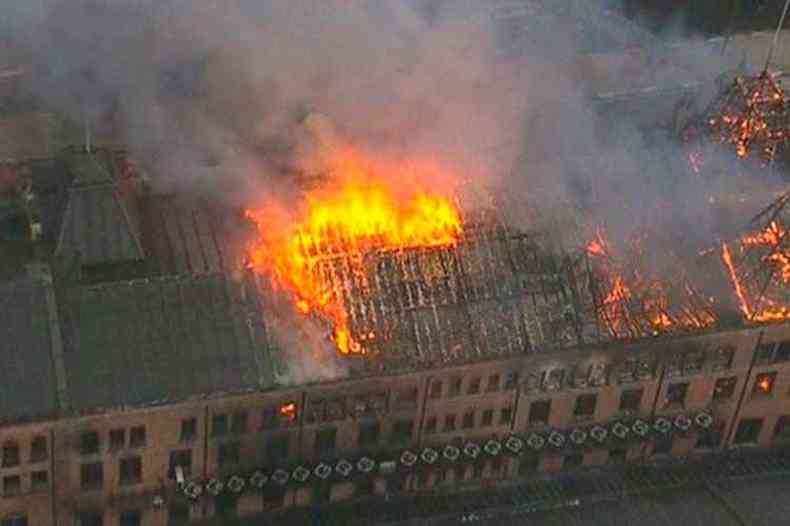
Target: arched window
(10,454)
(38,449)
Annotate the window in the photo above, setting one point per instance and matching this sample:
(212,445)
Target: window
(764,353)
(722,359)
(436,389)
(12,485)
(277,448)
(91,476)
(528,464)
(273,497)
(177,512)
(430,425)
(493,383)
(748,431)
(488,418)
(585,406)
(131,471)
(14,520)
(469,420)
(573,460)
(449,423)
(219,425)
(662,445)
(676,394)
(764,384)
(369,433)
(326,441)
(130,518)
(89,443)
(38,450)
(188,429)
(783,351)
(229,454)
(137,436)
(455,386)
(227,505)
(117,438)
(505,416)
(39,480)
(10,455)
(180,458)
(407,397)
(474,385)
(402,430)
(89,518)
(618,455)
(724,388)
(782,428)
(631,400)
(238,423)
(710,438)
(512,380)
(539,412)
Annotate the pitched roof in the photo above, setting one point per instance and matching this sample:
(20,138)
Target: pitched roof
(95,223)
(155,340)
(27,385)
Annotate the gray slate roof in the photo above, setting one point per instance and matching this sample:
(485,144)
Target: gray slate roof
(155,340)
(27,385)
(95,223)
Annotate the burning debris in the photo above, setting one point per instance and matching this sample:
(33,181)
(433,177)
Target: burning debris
(758,265)
(752,115)
(633,302)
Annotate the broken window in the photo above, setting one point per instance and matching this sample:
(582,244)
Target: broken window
(676,394)
(585,406)
(180,458)
(630,400)
(117,438)
(137,436)
(511,382)
(131,471)
(748,431)
(10,455)
(188,429)
(89,443)
(764,384)
(782,428)
(722,359)
(553,380)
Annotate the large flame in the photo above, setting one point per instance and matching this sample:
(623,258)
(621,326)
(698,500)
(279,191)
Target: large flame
(366,206)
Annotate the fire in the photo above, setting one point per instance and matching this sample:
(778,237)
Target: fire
(367,207)
(288,411)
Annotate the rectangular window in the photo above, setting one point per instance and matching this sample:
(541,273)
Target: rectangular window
(585,406)
(488,418)
(618,455)
(91,476)
(512,380)
(402,430)
(764,354)
(406,397)
(130,518)
(180,458)
(178,512)
(573,460)
(764,384)
(430,425)
(39,480)
(89,443)
(676,394)
(469,420)
(662,445)
(722,359)
(505,416)
(238,423)
(783,351)
(10,455)
(369,433)
(782,429)
(117,438)
(724,388)
(38,450)
(326,442)
(539,412)
(436,389)
(449,423)
(748,431)
(12,485)
(493,383)
(631,400)
(131,471)
(219,425)
(710,438)
(188,429)
(455,386)
(528,464)
(277,448)
(229,454)
(137,436)
(474,386)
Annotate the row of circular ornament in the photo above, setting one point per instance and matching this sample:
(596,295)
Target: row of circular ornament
(514,444)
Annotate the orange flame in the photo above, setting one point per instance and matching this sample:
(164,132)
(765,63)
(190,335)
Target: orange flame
(288,411)
(360,211)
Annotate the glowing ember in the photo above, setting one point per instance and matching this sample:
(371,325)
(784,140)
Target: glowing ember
(288,411)
(360,211)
